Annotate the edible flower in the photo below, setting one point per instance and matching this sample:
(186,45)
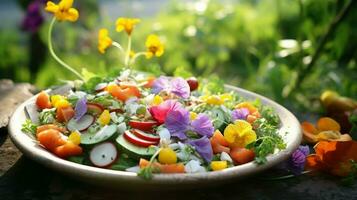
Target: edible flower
(252,109)
(104,118)
(33,18)
(296,162)
(154,46)
(177,122)
(203,125)
(160,112)
(203,148)
(81,108)
(177,86)
(239,134)
(240,113)
(157,100)
(126,24)
(334,157)
(193,115)
(216,99)
(104,41)
(63,11)
(326,129)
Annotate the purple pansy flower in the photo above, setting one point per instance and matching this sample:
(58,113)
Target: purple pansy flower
(203,147)
(81,108)
(177,122)
(203,125)
(33,18)
(240,113)
(177,86)
(296,163)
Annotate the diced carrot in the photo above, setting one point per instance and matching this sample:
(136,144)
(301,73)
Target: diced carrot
(166,169)
(251,119)
(43,101)
(68,149)
(172,168)
(50,126)
(217,147)
(123,93)
(64,114)
(220,138)
(242,155)
(50,139)
(150,82)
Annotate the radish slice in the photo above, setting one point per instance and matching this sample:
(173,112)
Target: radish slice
(146,136)
(143,125)
(95,108)
(103,155)
(137,141)
(101,86)
(82,124)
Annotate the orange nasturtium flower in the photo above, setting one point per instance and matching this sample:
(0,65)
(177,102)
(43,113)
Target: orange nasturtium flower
(154,46)
(126,24)
(327,129)
(63,10)
(104,41)
(334,157)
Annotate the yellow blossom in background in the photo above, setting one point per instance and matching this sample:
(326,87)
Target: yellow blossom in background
(154,46)
(126,24)
(104,41)
(63,10)
(132,54)
(239,134)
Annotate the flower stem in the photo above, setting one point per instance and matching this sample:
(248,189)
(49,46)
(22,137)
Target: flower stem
(132,60)
(50,47)
(127,56)
(117,45)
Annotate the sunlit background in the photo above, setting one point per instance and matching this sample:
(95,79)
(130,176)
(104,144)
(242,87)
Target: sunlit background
(259,45)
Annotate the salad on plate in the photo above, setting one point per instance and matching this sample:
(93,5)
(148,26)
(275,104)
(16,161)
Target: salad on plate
(139,123)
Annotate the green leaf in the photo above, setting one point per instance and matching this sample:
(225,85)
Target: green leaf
(87,75)
(124,162)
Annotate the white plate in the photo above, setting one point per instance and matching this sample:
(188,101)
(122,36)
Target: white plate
(290,131)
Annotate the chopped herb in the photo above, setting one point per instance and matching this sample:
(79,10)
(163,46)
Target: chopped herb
(47,116)
(29,127)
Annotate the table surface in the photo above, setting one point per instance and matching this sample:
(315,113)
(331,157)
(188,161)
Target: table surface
(22,178)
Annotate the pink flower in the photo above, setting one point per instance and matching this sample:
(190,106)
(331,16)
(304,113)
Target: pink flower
(159,113)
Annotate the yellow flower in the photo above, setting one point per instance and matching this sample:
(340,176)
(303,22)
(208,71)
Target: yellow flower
(104,41)
(126,24)
(63,11)
(154,46)
(193,115)
(239,134)
(216,99)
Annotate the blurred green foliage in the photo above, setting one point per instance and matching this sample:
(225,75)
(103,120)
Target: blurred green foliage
(257,45)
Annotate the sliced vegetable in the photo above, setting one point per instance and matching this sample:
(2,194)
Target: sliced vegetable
(133,150)
(103,155)
(94,108)
(103,134)
(166,168)
(50,126)
(43,100)
(242,155)
(138,141)
(50,139)
(64,114)
(143,125)
(68,149)
(146,136)
(82,124)
(100,87)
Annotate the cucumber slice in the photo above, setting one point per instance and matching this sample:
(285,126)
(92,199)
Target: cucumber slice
(103,134)
(132,150)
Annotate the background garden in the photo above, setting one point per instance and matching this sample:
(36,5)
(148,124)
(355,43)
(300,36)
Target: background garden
(288,50)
